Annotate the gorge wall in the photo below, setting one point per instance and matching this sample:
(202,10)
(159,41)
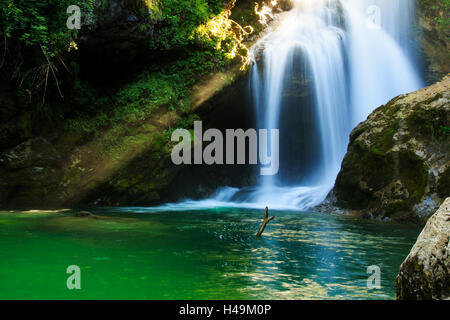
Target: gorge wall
(433,34)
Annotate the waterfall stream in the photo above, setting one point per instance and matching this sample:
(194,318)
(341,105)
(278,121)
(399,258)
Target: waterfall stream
(327,66)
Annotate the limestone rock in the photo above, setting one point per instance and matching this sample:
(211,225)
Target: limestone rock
(425,274)
(83,214)
(397,164)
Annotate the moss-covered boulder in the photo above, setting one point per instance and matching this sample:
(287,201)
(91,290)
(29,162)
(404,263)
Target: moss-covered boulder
(397,165)
(425,273)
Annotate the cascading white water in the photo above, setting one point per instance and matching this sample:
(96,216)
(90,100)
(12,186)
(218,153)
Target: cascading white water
(381,59)
(314,34)
(348,67)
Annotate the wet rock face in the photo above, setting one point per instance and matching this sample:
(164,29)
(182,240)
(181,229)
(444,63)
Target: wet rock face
(29,172)
(397,164)
(425,274)
(433,37)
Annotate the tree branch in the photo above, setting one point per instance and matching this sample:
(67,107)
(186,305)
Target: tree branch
(265,222)
(53,71)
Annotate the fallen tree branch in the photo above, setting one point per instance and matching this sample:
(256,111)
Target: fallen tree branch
(265,222)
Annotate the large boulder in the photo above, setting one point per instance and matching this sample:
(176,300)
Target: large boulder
(425,274)
(398,165)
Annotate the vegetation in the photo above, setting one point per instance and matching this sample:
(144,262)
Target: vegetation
(439,9)
(444,130)
(36,23)
(35,41)
(200,33)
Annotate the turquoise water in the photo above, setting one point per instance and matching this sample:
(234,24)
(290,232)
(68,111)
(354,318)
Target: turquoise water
(142,253)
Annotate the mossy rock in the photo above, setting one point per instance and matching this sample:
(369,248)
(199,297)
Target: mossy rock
(397,160)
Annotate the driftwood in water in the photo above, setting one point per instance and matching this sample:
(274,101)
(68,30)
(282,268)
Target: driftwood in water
(265,222)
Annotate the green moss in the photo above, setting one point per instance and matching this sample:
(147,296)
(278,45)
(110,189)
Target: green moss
(375,169)
(413,174)
(392,109)
(385,141)
(428,122)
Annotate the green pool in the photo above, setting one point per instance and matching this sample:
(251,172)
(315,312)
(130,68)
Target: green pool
(142,253)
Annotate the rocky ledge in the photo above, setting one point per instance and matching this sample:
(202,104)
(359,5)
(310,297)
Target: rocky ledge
(425,274)
(398,166)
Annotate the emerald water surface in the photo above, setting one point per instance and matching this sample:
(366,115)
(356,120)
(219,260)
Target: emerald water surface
(144,253)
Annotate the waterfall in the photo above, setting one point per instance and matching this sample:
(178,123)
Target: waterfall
(327,66)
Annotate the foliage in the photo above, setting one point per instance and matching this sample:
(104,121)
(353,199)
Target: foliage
(203,25)
(36,38)
(199,34)
(204,46)
(39,22)
(168,86)
(179,19)
(444,130)
(225,36)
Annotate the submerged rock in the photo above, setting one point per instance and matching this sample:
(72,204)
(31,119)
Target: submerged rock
(83,214)
(87,214)
(425,274)
(398,165)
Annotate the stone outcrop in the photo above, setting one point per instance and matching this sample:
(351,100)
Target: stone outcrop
(29,172)
(398,165)
(425,273)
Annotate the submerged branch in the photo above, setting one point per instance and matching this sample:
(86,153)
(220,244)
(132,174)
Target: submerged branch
(265,222)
